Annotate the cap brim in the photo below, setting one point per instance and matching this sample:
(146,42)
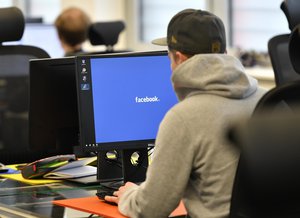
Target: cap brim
(160,41)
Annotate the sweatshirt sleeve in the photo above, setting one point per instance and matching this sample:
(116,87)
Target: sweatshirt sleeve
(167,175)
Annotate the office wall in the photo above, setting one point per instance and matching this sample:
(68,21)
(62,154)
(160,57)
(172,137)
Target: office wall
(109,10)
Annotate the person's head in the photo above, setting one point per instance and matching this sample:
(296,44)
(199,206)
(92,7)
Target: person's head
(192,32)
(72,28)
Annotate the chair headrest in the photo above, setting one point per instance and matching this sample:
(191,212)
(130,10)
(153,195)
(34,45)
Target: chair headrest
(12,24)
(291,10)
(105,33)
(294,48)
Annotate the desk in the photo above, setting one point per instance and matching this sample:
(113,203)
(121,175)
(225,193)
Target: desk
(36,201)
(264,75)
(20,200)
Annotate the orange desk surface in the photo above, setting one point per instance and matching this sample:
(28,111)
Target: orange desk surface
(95,206)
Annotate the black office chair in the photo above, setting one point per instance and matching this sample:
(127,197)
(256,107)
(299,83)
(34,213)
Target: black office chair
(268,175)
(278,45)
(14,87)
(291,10)
(286,96)
(294,48)
(279,55)
(106,33)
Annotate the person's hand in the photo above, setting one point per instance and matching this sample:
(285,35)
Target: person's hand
(117,194)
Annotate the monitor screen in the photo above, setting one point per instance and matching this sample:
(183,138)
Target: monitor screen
(43,36)
(53,111)
(123,98)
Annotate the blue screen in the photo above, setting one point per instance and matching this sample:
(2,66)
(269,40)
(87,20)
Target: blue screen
(131,95)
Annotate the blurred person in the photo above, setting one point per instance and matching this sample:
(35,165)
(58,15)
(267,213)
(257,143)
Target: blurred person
(72,27)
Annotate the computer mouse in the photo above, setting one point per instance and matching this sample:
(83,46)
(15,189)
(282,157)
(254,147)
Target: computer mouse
(39,168)
(102,193)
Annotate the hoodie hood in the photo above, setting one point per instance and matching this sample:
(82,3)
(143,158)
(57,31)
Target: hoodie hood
(217,74)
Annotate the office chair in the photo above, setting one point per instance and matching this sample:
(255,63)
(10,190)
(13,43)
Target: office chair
(286,96)
(280,59)
(291,10)
(294,48)
(282,98)
(278,45)
(268,174)
(106,33)
(14,86)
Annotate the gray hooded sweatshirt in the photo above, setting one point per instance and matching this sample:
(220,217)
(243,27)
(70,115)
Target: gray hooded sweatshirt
(193,161)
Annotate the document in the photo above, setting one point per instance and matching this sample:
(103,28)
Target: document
(73,169)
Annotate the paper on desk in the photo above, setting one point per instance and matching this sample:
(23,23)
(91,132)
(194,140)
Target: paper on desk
(16,175)
(20,178)
(74,169)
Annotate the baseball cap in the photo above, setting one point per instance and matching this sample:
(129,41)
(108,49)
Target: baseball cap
(194,31)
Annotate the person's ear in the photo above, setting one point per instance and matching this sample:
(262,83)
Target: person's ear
(180,57)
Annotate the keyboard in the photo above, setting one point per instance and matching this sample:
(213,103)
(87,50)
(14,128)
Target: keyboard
(115,185)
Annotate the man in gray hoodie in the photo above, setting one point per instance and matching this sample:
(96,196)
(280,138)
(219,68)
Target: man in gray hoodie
(193,161)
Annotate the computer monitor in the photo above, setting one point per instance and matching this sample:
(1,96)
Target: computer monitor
(122,100)
(53,111)
(43,36)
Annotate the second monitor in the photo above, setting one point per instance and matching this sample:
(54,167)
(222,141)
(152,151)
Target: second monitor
(53,113)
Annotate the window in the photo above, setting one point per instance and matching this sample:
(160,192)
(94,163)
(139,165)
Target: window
(156,14)
(6,3)
(148,19)
(249,24)
(255,22)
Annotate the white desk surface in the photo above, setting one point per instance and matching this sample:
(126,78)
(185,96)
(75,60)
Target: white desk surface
(261,72)
(264,75)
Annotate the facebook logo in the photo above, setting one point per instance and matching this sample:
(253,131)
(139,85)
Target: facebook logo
(85,86)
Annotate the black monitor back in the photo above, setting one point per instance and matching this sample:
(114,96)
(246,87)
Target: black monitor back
(53,111)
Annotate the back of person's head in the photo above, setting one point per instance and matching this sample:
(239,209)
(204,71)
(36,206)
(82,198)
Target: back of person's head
(72,26)
(193,32)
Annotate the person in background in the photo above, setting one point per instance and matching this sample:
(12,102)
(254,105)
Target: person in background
(72,27)
(193,160)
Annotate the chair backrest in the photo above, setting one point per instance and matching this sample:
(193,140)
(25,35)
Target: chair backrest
(106,33)
(294,48)
(291,10)
(278,46)
(14,86)
(267,179)
(282,98)
(14,64)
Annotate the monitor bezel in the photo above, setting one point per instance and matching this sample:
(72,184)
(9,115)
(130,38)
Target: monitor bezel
(107,146)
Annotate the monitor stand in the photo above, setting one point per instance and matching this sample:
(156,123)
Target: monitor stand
(129,165)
